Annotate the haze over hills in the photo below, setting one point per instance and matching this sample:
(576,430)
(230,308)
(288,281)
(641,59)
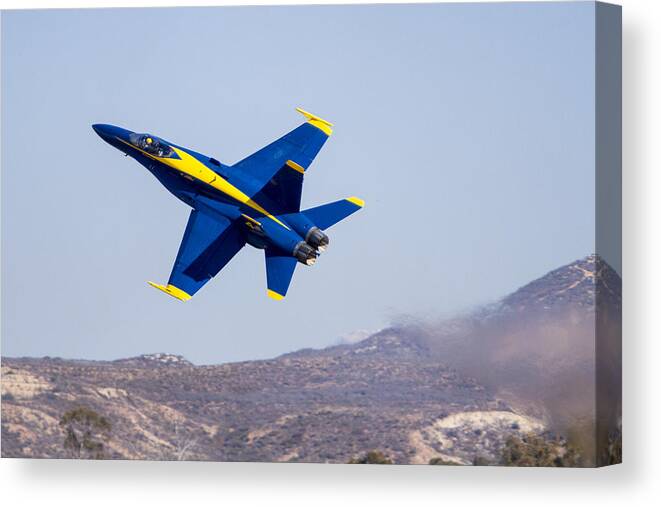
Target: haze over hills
(455,389)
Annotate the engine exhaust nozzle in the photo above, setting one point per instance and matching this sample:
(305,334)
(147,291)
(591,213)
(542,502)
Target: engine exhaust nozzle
(317,239)
(305,253)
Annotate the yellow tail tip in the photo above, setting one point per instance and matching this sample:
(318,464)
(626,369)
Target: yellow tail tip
(171,290)
(357,201)
(320,123)
(274,295)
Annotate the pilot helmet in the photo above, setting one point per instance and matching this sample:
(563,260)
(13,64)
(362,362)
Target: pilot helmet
(149,140)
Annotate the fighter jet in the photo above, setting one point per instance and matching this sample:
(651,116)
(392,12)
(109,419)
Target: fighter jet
(255,201)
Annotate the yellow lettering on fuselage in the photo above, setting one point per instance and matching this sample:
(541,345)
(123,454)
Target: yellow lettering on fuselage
(189,165)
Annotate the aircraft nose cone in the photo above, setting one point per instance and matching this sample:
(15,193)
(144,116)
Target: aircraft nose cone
(115,136)
(101,129)
(111,133)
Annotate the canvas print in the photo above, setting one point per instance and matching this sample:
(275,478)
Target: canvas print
(357,234)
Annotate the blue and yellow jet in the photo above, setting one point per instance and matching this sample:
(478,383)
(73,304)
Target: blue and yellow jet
(255,201)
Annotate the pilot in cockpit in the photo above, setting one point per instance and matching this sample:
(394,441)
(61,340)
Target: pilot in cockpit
(155,147)
(149,145)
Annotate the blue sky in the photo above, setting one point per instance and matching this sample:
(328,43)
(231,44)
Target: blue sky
(468,129)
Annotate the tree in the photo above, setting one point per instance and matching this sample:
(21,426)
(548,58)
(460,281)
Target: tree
(537,451)
(184,443)
(371,458)
(85,433)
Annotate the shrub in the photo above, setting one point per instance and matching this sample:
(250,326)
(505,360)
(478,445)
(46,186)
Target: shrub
(613,451)
(481,461)
(441,461)
(372,458)
(537,451)
(85,433)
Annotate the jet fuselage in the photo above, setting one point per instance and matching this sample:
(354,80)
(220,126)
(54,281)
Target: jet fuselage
(213,188)
(255,201)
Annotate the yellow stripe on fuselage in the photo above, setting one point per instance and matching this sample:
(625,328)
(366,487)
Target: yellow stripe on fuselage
(191,166)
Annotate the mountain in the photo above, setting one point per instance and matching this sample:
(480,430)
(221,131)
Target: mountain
(454,390)
(542,348)
(579,285)
(156,359)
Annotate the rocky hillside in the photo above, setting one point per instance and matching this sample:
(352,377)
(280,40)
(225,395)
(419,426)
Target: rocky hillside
(312,408)
(579,285)
(403,391)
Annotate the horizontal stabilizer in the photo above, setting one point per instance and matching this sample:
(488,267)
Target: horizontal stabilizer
(326,215)
(279,271)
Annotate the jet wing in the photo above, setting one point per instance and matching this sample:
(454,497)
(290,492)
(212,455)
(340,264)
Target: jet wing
(294,152)
(208,245)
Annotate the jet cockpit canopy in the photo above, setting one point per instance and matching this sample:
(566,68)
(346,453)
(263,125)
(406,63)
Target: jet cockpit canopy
(152,145)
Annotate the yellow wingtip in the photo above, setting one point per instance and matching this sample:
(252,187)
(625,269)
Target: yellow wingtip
(357,201)
(171,290)
(320,123)
(274,295)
